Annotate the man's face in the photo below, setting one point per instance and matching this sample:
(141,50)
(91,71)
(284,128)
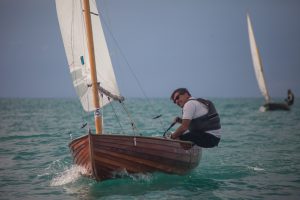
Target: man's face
(180,99)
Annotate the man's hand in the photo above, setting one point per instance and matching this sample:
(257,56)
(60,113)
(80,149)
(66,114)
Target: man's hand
(178,120)
(168,135)
(181,129)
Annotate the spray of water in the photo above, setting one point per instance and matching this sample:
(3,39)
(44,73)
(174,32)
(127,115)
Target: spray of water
(69,175)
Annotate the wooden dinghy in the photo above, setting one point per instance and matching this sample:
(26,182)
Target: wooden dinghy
(107,156)
(102,155)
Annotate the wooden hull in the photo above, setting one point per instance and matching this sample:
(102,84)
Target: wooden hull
(276,106)
(105,156)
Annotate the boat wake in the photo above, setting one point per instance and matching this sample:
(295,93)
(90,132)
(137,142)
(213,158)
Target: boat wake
(74,172)
(70,175)
(262,109)
(136,177)
(256,168)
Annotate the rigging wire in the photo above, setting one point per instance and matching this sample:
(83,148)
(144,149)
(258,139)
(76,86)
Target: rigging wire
(115,113)
(130,68)
(133,126)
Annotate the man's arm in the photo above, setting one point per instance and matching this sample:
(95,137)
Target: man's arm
(181,129)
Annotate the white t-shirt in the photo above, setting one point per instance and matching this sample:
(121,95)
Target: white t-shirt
(194,109)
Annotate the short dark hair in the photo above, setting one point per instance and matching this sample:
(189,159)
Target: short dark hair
(180,91)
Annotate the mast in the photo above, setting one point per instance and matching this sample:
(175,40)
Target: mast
(90,44)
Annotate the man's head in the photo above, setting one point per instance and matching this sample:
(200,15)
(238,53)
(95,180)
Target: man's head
(180,96)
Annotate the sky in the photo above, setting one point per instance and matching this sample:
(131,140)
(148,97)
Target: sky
(198,44)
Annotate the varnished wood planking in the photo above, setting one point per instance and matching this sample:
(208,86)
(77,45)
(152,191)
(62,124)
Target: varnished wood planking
(135,154)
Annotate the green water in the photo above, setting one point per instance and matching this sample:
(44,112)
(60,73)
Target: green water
(258,156)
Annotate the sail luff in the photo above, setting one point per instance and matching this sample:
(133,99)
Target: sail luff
(257,63)
(90,43)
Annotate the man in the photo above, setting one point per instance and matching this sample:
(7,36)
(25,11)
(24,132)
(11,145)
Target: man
(200,121)
(290,97)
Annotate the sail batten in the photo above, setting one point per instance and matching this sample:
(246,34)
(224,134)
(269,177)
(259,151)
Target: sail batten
(257,63)
(71,22)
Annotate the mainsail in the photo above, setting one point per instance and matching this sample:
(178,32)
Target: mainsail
(257,63)
(71,21)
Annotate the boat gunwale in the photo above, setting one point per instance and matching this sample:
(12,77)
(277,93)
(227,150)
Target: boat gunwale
(133,136)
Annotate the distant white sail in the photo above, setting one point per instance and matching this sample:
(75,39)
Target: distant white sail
(71,22)
(257,64)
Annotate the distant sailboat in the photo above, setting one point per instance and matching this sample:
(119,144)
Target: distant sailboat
(103,155)
(259,72)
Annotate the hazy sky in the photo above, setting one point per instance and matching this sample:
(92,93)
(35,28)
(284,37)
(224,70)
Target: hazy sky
(199,44)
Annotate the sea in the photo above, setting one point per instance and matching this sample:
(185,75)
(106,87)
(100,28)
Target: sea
(257,158)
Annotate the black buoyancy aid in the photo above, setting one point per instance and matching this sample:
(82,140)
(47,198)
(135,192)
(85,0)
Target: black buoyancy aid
(207,122)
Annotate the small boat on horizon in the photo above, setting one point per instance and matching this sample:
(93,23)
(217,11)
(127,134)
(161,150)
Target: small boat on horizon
(259,73)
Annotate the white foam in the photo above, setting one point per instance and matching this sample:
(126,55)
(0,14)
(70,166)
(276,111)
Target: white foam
(136,177)
(256,168)
(70,175)
(262,109)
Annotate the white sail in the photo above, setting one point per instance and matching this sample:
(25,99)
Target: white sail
(257,64)
(71,21)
